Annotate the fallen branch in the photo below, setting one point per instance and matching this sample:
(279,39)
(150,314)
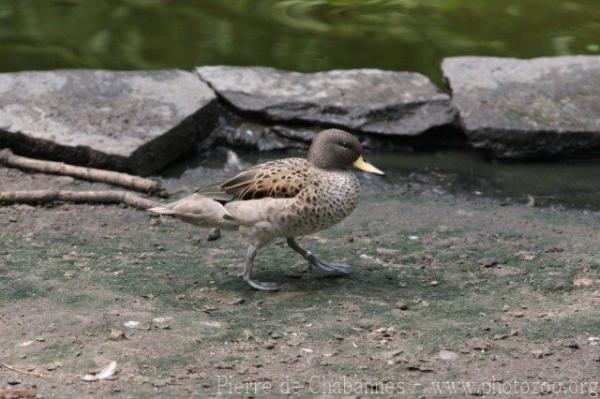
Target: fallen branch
(17,393)
(97,175)
(93,197)
(16,370)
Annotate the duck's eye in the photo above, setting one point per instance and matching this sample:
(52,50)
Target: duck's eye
(346,145)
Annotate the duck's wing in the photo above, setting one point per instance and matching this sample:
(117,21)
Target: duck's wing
(214,191)
(282,178)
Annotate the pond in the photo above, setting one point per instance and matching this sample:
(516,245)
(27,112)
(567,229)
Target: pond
(302,35)
(310,35)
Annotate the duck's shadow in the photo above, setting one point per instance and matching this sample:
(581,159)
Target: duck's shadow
(381,283)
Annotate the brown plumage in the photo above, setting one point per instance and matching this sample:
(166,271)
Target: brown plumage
(283,178)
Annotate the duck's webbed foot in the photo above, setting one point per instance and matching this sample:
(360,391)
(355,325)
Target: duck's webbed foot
(330,267)
(263,286)
(259,285)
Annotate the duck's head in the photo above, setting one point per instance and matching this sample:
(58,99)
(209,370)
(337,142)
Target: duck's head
(338,149)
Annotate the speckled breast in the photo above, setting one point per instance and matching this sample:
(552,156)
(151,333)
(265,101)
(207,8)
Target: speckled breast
(328,199)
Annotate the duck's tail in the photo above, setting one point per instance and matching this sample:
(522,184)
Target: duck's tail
(198,210)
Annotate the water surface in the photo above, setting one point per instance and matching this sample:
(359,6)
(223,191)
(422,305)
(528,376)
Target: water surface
(303,35)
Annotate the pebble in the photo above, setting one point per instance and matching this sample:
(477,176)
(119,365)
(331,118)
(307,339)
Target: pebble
(538,353)
(387,251)
(477,344)
(488,262)
(237,301)
(401,305)
(159,383)
(448,355)
(366,324)
(386,332)
(572,344)
(69,274)
(526,256)
(161,322)
(131,324)
(116,335)
(434,283)
(52,366)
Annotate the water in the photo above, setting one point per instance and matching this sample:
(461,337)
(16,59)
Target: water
(570,184)
(303,35)
(462,172)
(311,35)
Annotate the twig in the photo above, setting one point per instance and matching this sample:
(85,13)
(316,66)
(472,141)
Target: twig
(16,370)
(97,175)
(94,197)
(16,393)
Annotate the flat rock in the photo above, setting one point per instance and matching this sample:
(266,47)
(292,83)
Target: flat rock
(362,100)
(133,121)
(543,107)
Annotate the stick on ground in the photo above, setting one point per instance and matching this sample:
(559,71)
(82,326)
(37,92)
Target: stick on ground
(97,175)
(17,393)
(16,370)
(94,197)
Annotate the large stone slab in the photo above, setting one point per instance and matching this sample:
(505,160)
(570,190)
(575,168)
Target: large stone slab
(134,121)
(544,107)
(365,100)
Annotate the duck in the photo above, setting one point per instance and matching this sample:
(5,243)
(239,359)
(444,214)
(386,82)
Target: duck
(285,198)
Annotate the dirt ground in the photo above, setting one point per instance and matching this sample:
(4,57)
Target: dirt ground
(449,296)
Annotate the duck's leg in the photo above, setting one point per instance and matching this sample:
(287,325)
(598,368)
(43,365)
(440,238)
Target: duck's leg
(339,268)
(263,286)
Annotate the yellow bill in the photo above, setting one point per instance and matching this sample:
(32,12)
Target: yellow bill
(363,165)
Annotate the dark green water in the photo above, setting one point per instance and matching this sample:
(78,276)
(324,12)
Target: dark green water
(303,35)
